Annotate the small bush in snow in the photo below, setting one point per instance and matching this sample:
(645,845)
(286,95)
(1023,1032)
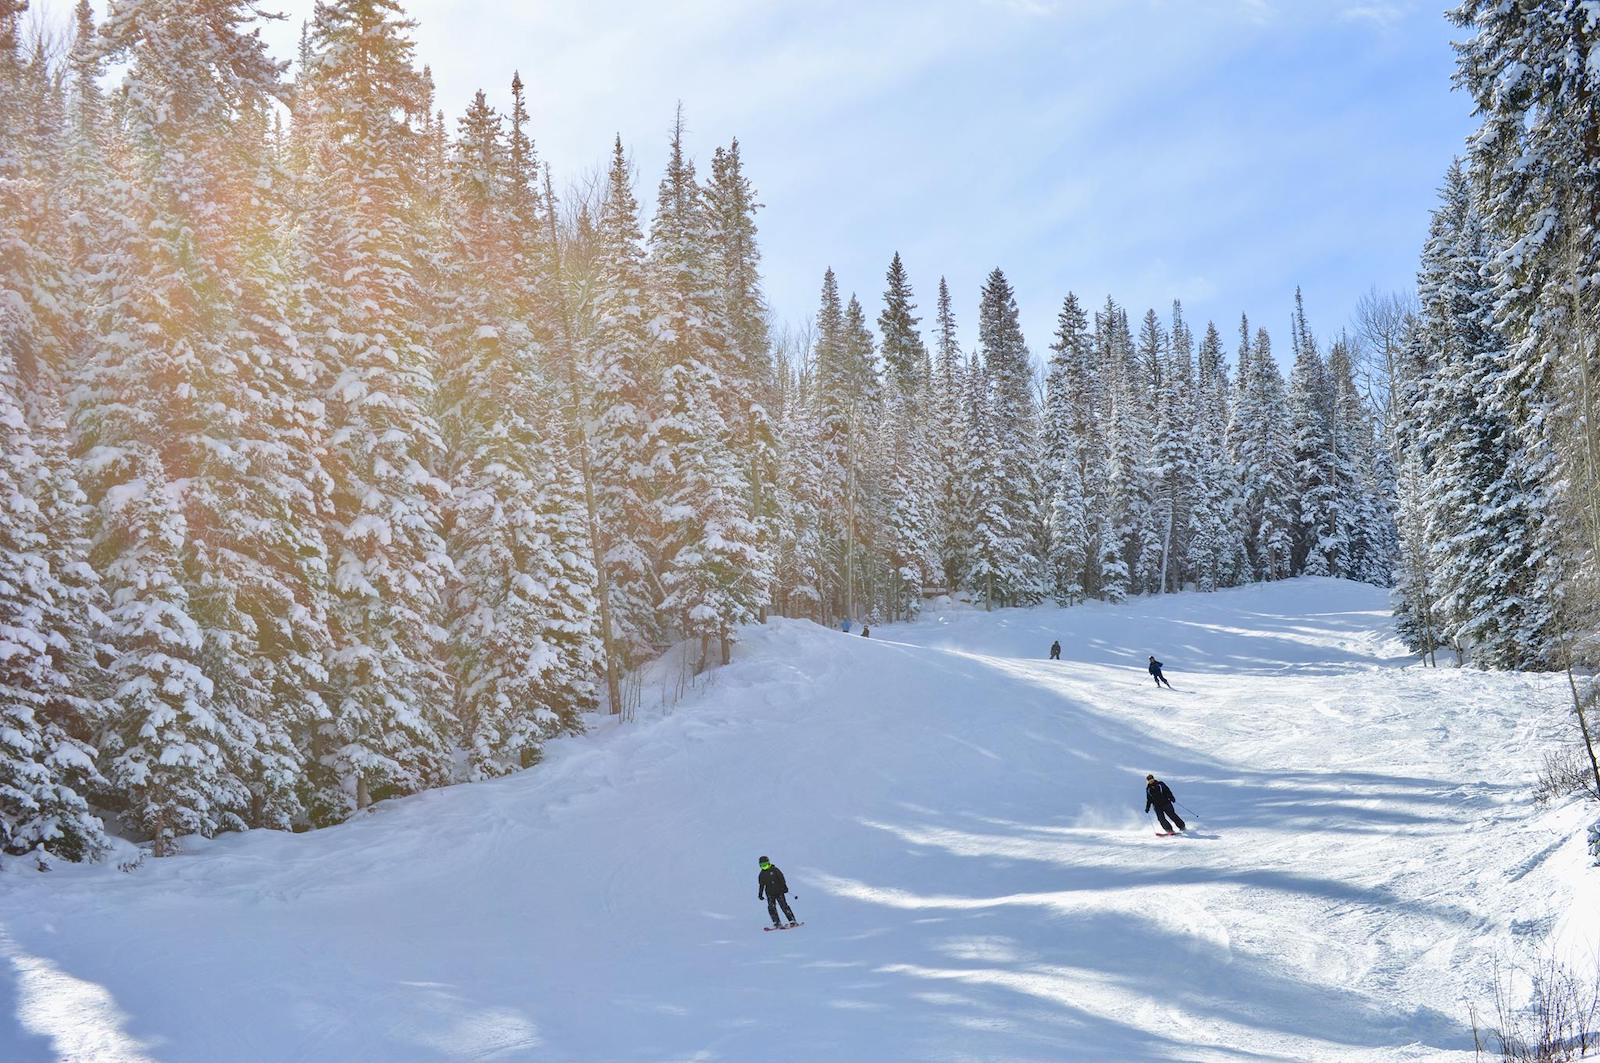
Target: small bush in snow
(1565,771)
(1560,1022)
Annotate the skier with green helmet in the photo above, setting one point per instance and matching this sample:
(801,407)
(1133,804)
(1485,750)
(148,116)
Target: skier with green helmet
(770,885)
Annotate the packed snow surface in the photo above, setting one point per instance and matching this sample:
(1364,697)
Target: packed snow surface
(961,823)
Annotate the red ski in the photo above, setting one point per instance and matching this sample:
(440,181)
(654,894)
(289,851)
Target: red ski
(1166,834)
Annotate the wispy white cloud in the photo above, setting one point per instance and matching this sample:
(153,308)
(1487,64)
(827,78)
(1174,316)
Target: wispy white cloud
(1379,13)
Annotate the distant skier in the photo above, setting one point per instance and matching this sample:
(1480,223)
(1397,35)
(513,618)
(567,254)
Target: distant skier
(845,626)
(770,884)
(1158,795)
(1155,670)
(1055,650)
(866,632)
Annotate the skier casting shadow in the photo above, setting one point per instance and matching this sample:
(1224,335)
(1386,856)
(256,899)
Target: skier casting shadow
(1155,670)
(770,884)
(1158,795)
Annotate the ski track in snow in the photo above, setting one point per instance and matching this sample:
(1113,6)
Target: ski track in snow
(961,823)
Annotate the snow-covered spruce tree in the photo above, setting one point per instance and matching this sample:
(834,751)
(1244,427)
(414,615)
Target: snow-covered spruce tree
(618,384)
(176,425)
(947,429)
(866,470)
(1530,70)
(522,609)
(801,553)
(714,573)
(846,399)
(1367,505)
(33,266)
(992,540)
(713,578)
(1135,381)
(1061,451)
(389,722)
(1177,460)
(907,448)
(730,209)
(1125,510)
(1216,553)
(1015,574)
(85,194)
(1321,480)
(48,707)
(1259,441)
(1086,402)
(1481,538)
(275,480)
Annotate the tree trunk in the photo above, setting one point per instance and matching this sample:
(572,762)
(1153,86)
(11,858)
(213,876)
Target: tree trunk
(1583,725)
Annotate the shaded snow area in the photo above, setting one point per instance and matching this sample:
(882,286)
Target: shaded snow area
(961,823)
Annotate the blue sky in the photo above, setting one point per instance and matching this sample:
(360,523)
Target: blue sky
(1215,151)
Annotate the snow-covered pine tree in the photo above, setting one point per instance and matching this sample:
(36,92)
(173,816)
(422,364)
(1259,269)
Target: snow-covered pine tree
(1321,545)
(1178,487)
(714,574)
(1125,509)
(175,414)
(1015,574)
(1085,394)
(1259,441)
(1061,451)
(523,639)
(389,725)
(801,554)
(947,430)
(48,681)
(619,386)
(1368,515)
(1216,545)
(908,466)
(731,207)
(85,194)
(991,538)
(866,468)
(1481,538)
(905,356)
(273,479)
(1530,71)
(1142,387)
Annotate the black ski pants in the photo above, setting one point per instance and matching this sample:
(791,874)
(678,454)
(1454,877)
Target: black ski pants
(1161,678)
(774,903)
(1164,812)
(1055,655)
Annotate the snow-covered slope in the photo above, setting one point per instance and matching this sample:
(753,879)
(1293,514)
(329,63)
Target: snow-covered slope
(961,822)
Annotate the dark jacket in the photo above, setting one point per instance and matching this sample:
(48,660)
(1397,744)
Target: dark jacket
(770,883)
(1157,793)
(1055,647)
(1155,666)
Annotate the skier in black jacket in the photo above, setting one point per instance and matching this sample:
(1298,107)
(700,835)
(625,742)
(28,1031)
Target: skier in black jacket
(770,884)
(1158,795)
(1155,670)
(1055,650)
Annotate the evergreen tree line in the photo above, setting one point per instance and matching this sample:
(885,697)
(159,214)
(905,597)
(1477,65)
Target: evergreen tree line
(340,460)
(1497,379)
(1137,464)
